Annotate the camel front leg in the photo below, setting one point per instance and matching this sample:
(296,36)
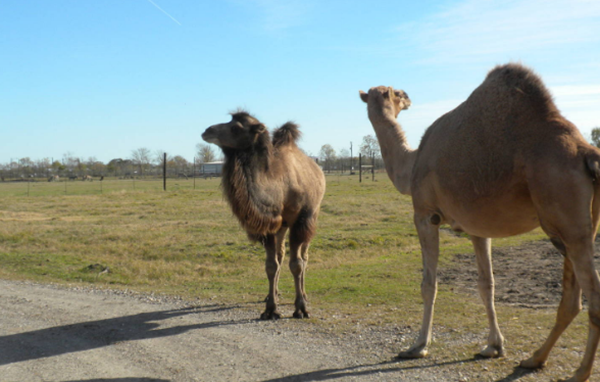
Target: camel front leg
(570,306)
(273,268)
(430,248)
(280,248)
(485,284)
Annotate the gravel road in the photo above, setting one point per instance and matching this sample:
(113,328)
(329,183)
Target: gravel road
(55,333)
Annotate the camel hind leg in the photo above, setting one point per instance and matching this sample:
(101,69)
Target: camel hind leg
(570,217)
(301,234)
(581,255)
(569,307)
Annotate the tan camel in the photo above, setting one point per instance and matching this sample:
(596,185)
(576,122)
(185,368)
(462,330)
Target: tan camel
(271,185)
(502,163)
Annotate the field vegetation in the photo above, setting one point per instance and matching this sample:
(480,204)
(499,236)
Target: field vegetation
(365,264)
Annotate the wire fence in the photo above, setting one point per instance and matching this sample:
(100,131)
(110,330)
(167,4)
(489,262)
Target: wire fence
(107,185)
(171,179)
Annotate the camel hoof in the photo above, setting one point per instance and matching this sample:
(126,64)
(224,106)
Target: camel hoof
(275,315)
(412,353)
(301,314)
(492,352)
(531,363)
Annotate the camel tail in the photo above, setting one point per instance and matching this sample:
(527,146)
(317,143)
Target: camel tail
(592,161)
(285,135)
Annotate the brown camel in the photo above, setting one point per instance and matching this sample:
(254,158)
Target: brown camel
(502,163)
(271,186)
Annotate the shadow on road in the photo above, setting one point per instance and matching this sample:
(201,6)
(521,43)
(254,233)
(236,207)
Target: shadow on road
(363,370)
(121,380)
(96,334)
(517,373)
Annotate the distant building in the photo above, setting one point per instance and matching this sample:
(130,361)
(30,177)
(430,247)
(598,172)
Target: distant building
(212,168)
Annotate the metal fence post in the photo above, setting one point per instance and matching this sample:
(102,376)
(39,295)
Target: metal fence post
(165,171)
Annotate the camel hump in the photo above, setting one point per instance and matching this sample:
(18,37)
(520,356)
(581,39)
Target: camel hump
(524,80)
(285,135)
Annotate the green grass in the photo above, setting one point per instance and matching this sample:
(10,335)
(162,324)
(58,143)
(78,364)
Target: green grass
(364,262)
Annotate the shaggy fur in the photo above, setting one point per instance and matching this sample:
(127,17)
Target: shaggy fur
(271,186)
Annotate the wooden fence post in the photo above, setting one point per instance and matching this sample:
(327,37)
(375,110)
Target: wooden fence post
(359,168)
(373,167)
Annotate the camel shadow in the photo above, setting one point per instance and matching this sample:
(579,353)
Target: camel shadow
(381,368)
(133,379)
(517,373)
(90,335)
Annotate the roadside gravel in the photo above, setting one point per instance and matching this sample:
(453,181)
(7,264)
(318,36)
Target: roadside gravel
(57,333)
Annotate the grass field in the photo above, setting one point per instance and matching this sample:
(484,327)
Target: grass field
(364,263)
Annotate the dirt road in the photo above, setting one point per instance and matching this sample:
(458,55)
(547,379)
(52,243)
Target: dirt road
(52,333)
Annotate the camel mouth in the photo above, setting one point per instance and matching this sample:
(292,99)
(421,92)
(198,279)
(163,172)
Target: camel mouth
(207,136)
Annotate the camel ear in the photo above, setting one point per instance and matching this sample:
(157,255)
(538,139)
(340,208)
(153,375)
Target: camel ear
(259,128)
(404,100)
(364,96)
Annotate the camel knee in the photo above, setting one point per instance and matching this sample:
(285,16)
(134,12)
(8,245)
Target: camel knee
(428,286)
(485,285)
(297,266)
(271,267)
(594,313)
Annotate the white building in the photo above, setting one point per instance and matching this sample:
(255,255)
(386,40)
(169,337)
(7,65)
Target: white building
(213,168)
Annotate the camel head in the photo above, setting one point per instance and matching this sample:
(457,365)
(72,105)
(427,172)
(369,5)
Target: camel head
(241,133)
(386,97)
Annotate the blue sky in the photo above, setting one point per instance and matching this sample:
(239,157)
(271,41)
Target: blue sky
(100,78)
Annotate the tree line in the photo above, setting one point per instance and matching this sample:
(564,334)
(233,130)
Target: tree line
(143,162)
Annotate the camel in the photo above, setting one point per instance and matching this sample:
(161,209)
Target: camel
(502,163)
(271,186)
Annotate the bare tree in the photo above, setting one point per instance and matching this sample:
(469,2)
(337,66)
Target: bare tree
(344,159)
(205,153)
(141,158)
(327,155)
(369,146)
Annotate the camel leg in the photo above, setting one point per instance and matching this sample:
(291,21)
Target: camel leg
(273,267)
(572,226)
(430,247)
(485,284)
(570,306)
(581,256)
(280,247)
(304,254)
(301,234)
(298,269)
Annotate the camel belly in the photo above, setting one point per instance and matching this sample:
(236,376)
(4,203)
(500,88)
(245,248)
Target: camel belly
(494,220)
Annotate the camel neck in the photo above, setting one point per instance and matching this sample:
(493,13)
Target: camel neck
(256,210)
(397,155)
